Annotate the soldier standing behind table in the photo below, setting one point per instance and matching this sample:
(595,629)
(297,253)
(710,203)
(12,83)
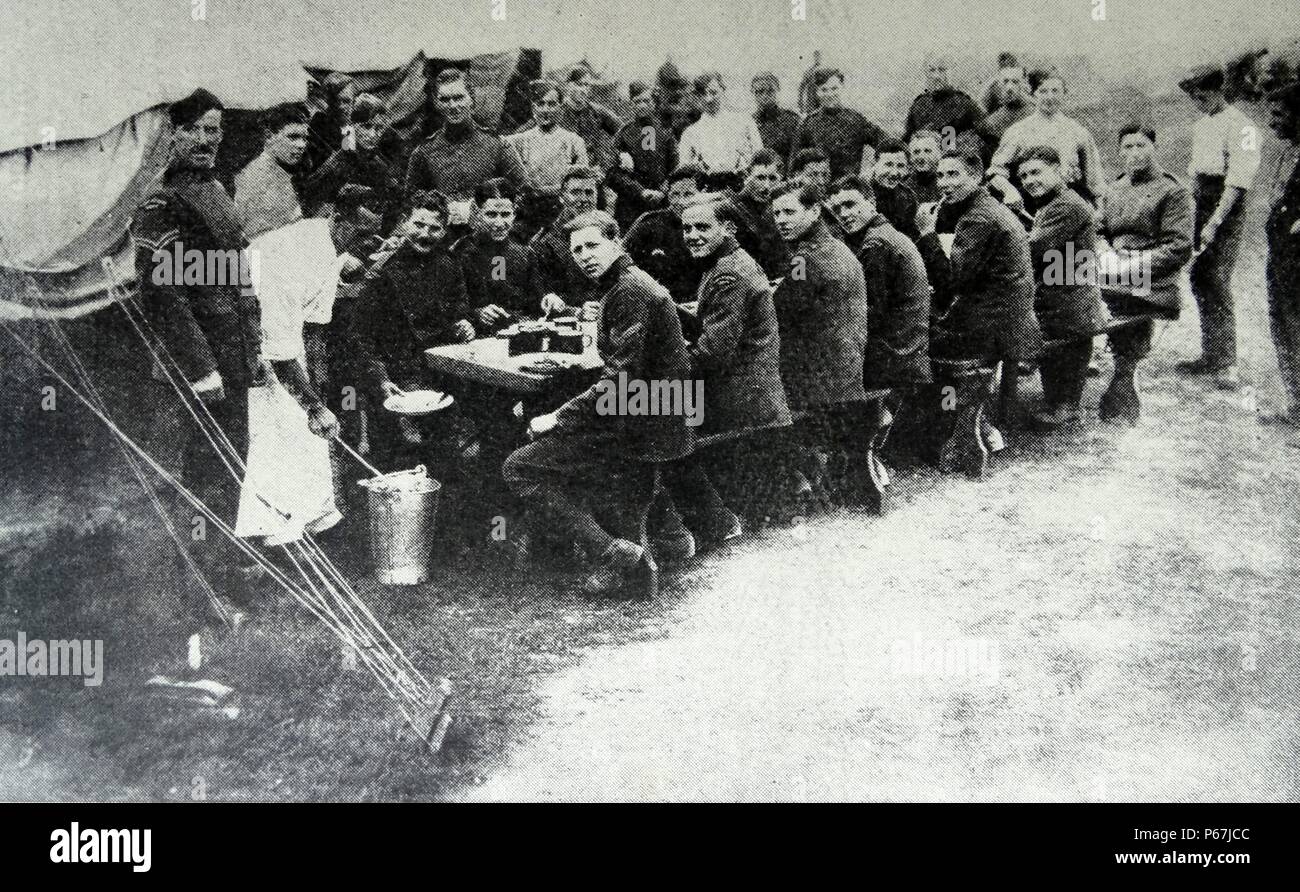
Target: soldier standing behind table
(1284,254)
(1225,159)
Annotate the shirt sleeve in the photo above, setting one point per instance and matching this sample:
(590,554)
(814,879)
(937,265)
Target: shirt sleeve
(1243,154)
(1091,159)
(1174,249)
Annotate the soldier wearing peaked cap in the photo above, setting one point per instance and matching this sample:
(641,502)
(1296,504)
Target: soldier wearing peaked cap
(208,335)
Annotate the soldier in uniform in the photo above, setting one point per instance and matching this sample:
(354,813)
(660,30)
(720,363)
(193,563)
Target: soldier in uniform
(655,241)
(207,335)
(1146,222)
(1284,253)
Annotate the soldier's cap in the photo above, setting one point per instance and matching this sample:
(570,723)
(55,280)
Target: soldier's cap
(1203,77)
(184,112)
(1288,95)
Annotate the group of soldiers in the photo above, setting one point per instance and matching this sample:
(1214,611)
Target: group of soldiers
(798,266)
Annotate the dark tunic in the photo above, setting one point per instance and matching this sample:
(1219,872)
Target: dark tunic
(778,128)
(1284,277)
(738,352)
(842,133)
(899,205)
(212,327)
(949,107)
(821,308)
(759,237)
(1067,298)
(597,126)
(924,186)
(986,288)
(455,161)
(349,167)
(638,335)
(1152,212)
(655,243)
(408,303)
(557,272)
(501,273)
(654,155)
(898,295)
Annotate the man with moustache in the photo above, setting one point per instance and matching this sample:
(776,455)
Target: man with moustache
(647,153)
(845,135)
(1067,296)
(412,300)
(778,127)
(1283,230)
(923,152)
(756,230)
(562,283)
(655,240)
(894,198)
(591,472)
(208,335)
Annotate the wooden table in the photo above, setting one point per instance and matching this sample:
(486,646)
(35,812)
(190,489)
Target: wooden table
(488,361)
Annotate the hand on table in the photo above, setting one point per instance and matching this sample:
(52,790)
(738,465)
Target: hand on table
(492,315)
(553,304)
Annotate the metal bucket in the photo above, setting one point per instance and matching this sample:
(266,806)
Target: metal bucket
(403,508)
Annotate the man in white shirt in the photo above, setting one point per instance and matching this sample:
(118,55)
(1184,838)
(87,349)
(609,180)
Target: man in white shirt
(1225,159)
(721,141)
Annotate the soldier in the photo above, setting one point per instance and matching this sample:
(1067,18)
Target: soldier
(647,153)
(1146,222)
(208,335)
(1284,254)
(655,241)
(777,126)
(1225,159)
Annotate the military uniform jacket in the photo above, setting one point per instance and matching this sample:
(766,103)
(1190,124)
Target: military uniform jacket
(205,328)
(500,273)
(654,155)
(738,352)
(455,161)
(1152,212)
(408,303)
(778,128)
(759,237)
(842,134)
(639,336)
(556,270)
(1070,306)
(821,309)
(655,244)
(898,296)
(987,285)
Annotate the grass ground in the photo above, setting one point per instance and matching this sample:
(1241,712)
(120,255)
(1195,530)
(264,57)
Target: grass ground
(1127,576)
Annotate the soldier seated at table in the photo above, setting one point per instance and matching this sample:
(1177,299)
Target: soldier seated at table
(654,241)
(410,301)
(821,308)
(500,275)
(591,467)
(559,277)
(737,356)
(1067,297)
(984,288)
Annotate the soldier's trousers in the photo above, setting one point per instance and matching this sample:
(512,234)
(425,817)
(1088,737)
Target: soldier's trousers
(1284,319)
(1211,276)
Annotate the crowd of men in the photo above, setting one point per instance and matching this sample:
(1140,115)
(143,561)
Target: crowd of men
(800,266)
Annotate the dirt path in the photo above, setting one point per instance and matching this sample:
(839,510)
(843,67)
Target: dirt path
(1120,608)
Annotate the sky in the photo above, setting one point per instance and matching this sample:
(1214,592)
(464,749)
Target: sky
(93,50)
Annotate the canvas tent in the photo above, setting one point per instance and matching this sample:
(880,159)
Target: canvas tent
(84,132)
